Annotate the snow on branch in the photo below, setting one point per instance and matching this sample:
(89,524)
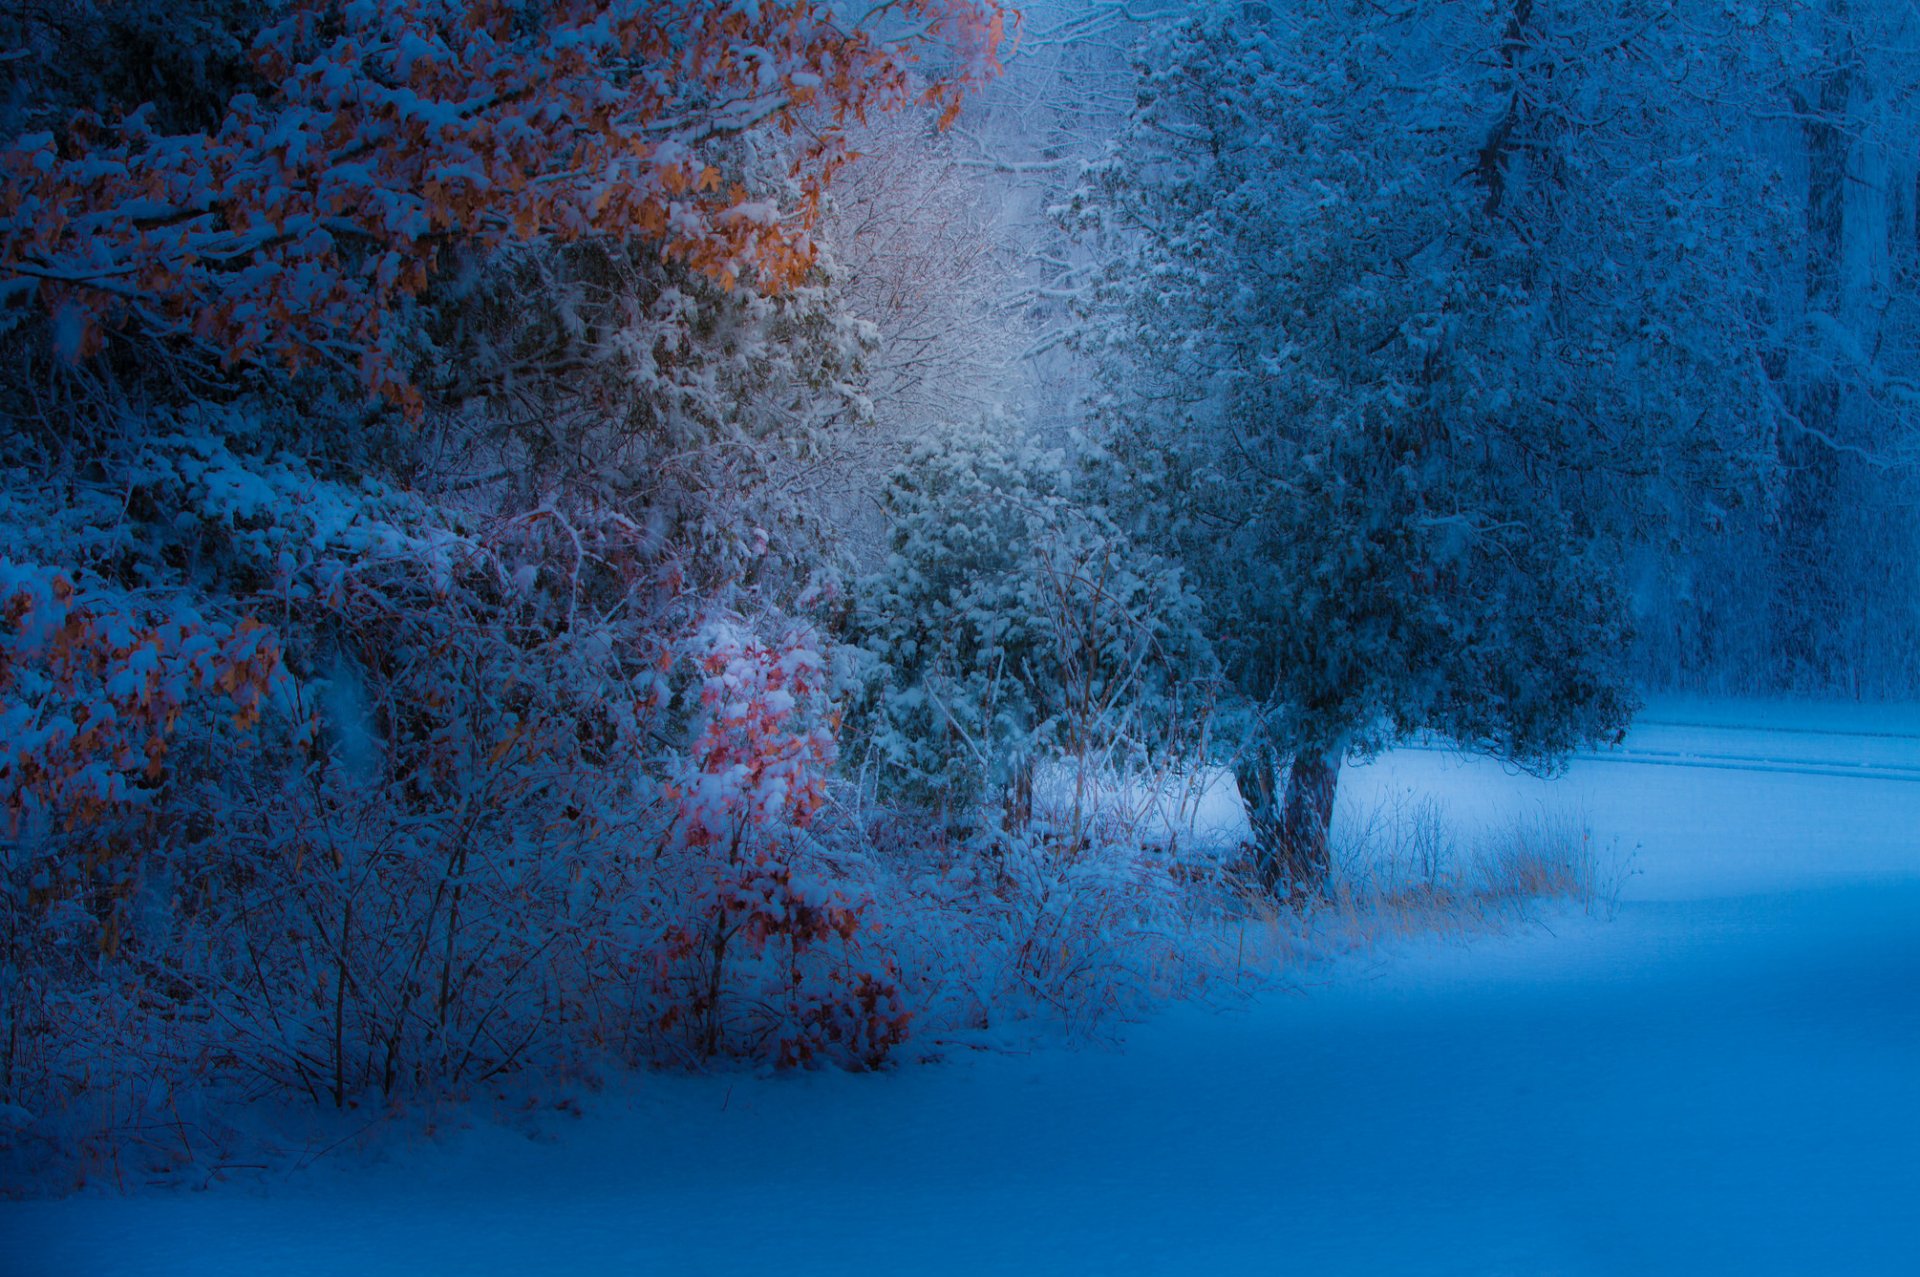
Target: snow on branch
(383,133)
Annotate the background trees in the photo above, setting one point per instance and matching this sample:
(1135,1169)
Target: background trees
(1837,603)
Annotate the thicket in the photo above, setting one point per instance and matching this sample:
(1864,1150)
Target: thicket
(406,672)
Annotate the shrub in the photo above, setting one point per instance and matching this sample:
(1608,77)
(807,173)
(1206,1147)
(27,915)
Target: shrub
(1009,624)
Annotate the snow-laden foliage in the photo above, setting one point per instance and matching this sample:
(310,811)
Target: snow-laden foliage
(95,684)
(600,377)
(474,794)
(1385,323)
(744,802)
(1010,623)
(365,139)
(360,755)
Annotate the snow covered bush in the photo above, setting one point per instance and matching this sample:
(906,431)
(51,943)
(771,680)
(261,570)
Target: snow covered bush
(763,955)
(95,686)
(1011,624)
(402,412)
(496,795)
(109,700)
(998,935)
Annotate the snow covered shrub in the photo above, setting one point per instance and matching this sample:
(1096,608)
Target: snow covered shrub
(1010,932)
(1028,675)
(1094,931)
(255,874)
(478,353)
(91,688)
(763,955)
(1011,624)
(514,798)
(97,688)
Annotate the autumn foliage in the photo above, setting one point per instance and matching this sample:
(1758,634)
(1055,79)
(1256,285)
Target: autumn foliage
(384,134)
(768,960)
(325,771)
(90,693)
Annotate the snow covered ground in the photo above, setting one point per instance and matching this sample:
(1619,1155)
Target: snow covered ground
(1724,1078)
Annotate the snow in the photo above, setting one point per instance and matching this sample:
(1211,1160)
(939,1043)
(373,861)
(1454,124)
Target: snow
(1721,1078)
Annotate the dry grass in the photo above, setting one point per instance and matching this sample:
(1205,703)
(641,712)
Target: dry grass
(1405,869)
(1092,916)
(1552,857)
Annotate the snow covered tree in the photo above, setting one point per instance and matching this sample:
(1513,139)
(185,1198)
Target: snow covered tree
(1399,344)
(366,140)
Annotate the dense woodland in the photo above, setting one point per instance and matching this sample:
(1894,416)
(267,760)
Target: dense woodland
(540,536)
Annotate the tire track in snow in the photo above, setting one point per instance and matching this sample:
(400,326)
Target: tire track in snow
(1742,763)
(1782,731)
(1783,762)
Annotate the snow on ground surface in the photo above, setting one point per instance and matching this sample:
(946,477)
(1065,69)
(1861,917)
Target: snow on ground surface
(1725,1078)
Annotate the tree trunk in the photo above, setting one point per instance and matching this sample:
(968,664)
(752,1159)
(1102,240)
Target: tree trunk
(1290,849)
(1307,820)
(1814,595)
(1017,802)
(1253,775)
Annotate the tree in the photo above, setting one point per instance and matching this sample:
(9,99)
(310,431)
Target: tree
(1393,404)
(1840,609)
(368,139)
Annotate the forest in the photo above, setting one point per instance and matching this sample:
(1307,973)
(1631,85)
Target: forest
(546,540)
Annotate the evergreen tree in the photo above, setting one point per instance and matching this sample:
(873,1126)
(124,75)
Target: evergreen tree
(1012,623)
(1387,364)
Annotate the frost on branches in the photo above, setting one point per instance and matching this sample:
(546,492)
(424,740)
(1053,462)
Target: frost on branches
(369,138)
(357,756)
(769,951)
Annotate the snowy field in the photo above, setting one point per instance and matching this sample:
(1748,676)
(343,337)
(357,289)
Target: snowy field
(1724,1078)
